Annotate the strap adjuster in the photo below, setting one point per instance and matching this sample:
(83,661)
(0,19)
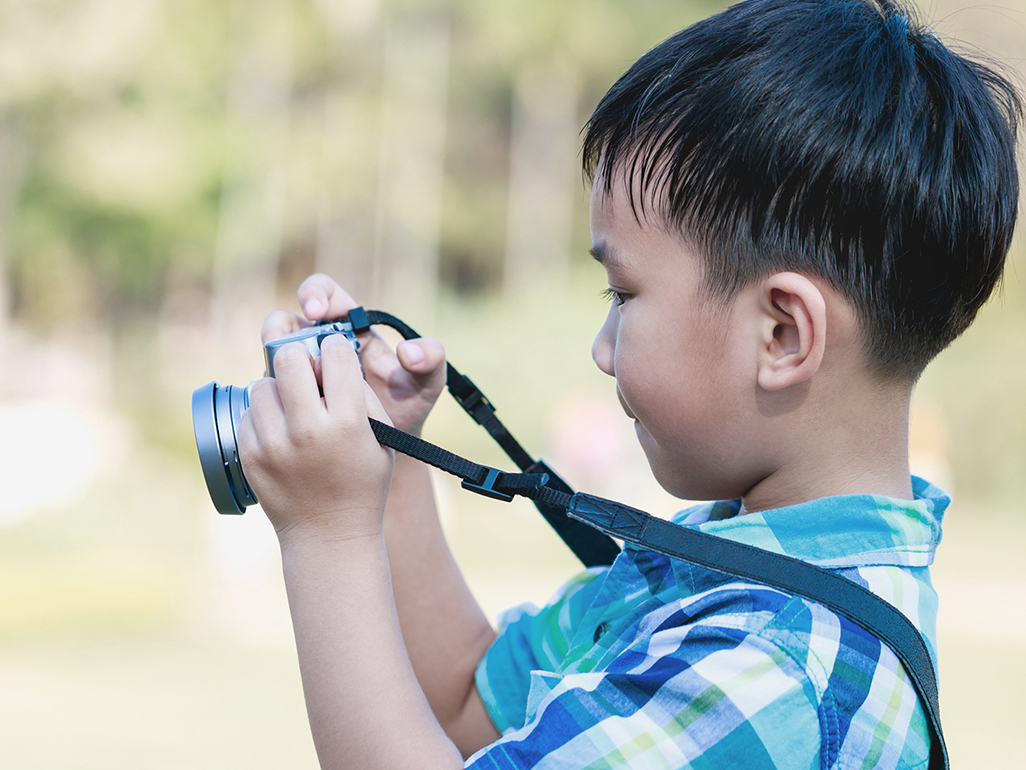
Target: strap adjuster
(470,397)
(487,487)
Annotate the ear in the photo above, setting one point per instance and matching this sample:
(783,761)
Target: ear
(792,328)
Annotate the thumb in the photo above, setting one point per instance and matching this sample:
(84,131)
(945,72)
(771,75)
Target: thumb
(422,356)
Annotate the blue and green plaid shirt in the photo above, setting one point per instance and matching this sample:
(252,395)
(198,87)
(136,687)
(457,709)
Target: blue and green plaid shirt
(656,663)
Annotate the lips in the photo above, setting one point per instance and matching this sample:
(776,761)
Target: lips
(623,405)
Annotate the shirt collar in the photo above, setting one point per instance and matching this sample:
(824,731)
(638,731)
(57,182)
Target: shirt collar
(840,531)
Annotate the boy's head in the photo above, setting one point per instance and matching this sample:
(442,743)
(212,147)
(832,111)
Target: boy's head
(832,138)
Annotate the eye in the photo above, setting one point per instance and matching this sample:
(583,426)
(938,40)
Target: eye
(616,297)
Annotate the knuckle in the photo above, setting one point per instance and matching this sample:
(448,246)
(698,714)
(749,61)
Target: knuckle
(313,279)
(318,282)
(354,427)
(435,350)
(303,434)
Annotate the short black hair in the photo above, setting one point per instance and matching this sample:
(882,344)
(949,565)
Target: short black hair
(838,138)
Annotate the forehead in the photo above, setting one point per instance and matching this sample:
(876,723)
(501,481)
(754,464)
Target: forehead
(623,232)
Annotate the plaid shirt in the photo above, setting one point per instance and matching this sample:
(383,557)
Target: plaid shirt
(655,663)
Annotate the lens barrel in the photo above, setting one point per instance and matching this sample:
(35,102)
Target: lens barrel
(216,412)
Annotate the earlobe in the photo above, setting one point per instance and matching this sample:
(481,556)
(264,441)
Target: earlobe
(792,329)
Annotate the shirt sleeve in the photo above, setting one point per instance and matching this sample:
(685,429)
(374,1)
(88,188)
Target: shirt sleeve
(687,696)
(531,639)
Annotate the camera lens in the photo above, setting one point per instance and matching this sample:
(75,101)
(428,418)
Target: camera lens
(216,412)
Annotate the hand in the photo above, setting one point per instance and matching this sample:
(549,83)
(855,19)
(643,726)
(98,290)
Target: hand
(313,461)
(407,381)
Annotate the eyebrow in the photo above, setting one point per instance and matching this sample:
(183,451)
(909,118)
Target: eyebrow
(605,255)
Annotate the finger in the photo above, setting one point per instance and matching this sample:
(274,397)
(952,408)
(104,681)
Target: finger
(377,412)
(321,297)
(421,356)
(378,357)
(341,379)
(374,408)
(264,416)
(297,384)
(424,362)
(279,323)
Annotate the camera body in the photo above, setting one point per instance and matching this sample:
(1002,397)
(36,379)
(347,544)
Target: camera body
(217,411)
(311,337)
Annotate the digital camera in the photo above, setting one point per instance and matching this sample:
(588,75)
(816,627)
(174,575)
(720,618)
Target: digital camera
(217,410)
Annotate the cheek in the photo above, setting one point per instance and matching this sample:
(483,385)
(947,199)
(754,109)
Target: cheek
(640,379)
(674,384)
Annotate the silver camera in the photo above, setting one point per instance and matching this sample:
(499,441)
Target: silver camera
(217,410)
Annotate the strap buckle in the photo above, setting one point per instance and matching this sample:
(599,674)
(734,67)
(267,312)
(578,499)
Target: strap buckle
(487,487)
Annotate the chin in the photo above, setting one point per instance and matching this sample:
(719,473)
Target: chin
(690,481)
(683,486)
(684,478)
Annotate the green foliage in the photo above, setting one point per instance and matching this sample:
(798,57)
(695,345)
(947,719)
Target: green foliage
(126,121)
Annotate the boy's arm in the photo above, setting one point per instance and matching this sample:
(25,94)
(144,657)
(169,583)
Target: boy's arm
(444,630)
(365,706)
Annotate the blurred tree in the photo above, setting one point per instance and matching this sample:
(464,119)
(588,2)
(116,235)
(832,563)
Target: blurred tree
(495,45)
(117,106)
(123,115)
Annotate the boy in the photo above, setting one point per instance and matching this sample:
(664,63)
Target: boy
(797,203)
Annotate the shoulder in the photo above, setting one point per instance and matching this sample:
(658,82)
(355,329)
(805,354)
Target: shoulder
(783,661)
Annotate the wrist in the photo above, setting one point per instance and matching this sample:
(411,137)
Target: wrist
(413,427)
(344,529)
(411,488)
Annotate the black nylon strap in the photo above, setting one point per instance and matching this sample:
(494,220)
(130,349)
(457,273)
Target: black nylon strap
(474,402)
(551,501)
(466,393)
(429,453)
(589,545)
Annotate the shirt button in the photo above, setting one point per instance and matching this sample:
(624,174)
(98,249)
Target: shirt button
(602,628)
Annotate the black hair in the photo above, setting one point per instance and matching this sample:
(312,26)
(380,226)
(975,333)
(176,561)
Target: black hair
(838,138)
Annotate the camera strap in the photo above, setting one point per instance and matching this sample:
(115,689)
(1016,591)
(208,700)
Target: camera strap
(589,545)
(588,523)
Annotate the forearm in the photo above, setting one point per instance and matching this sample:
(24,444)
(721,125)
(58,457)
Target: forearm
(291,427)
(445,631)
(366,708)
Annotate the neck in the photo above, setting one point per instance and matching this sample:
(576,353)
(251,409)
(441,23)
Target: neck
(860,449)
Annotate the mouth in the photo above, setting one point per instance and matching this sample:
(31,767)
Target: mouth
(623,405)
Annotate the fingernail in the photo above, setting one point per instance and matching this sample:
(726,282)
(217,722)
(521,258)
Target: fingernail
(313,307)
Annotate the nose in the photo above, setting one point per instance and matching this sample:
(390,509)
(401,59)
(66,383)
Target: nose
(604,346)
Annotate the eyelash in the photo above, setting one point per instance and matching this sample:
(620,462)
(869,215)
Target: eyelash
(616,297)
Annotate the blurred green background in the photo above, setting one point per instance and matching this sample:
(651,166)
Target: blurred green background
(171,169)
